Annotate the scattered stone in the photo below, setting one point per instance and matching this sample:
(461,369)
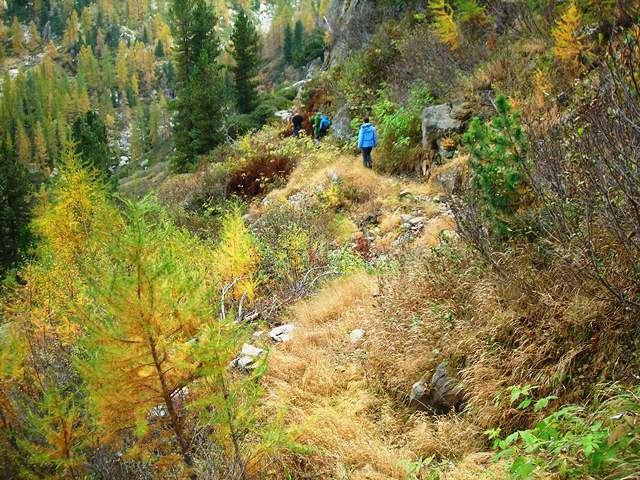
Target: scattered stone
(356,335)
(441,393)
(283,333)
(247,358)
(416,220)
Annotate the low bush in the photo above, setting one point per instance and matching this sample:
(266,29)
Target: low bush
(601,440)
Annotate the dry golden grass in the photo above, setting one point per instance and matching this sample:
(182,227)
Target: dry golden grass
(319,380)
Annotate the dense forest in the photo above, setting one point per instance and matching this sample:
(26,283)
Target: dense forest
(197,282)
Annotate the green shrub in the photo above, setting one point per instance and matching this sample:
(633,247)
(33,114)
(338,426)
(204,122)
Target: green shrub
(399,133)
(576,443)
(499,151)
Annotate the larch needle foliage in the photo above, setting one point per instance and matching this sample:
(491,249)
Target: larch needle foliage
(571,44)
(237,257)
(148,301)
(445,23)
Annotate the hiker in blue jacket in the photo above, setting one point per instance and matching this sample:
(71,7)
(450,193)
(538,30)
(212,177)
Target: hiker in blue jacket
(367,140)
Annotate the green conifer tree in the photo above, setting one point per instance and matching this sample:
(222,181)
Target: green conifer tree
(199,101)
(92,142)
(14,207)
(246,53)
(287,48)
(298,43)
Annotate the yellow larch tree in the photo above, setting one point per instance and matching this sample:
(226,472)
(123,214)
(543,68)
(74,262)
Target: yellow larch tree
(41,156)
(23,145)
(571,43)
(71,35)
(17,37)
(148,301)
(34,36)
(122,67)
(237,257)
(445,24)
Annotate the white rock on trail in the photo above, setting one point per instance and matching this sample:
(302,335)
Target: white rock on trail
(248,355)
(356,335)
(283,333)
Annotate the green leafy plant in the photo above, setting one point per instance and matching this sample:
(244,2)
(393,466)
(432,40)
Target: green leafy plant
(574,442)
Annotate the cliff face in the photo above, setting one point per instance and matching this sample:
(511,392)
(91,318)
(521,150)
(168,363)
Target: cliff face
(352,23)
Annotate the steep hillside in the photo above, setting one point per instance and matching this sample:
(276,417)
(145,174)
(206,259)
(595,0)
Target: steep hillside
(196,292)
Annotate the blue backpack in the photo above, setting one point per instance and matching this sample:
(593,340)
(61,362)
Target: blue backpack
(325,122)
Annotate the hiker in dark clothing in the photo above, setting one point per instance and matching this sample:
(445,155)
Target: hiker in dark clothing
(297,120)
(367,140)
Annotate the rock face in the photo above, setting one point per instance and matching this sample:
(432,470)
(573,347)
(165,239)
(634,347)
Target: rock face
(441,120)
(352,23)
(341,125)
(441,393)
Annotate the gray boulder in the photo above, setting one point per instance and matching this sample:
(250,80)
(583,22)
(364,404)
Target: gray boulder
(341,124)
(441,120)
(441,393)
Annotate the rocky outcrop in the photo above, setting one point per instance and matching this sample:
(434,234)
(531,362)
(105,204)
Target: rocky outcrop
(352,23)
(341,125)
(441,393)
(439,121)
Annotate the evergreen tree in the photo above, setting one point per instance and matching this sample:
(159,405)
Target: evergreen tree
(246,53)
(92,143)
(14,207)
(159,52)
(199,104)
(298,43)
(287,48)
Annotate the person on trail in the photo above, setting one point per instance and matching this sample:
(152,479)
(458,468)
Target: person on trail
(367,140)
(315,123)
(325,123)
(297,120)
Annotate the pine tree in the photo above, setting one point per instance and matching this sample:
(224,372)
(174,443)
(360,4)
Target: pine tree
(159,51)
(287,48)
(246,54)
(17,37)
(14,207)
(298,43)
(90,136)
(200,101)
